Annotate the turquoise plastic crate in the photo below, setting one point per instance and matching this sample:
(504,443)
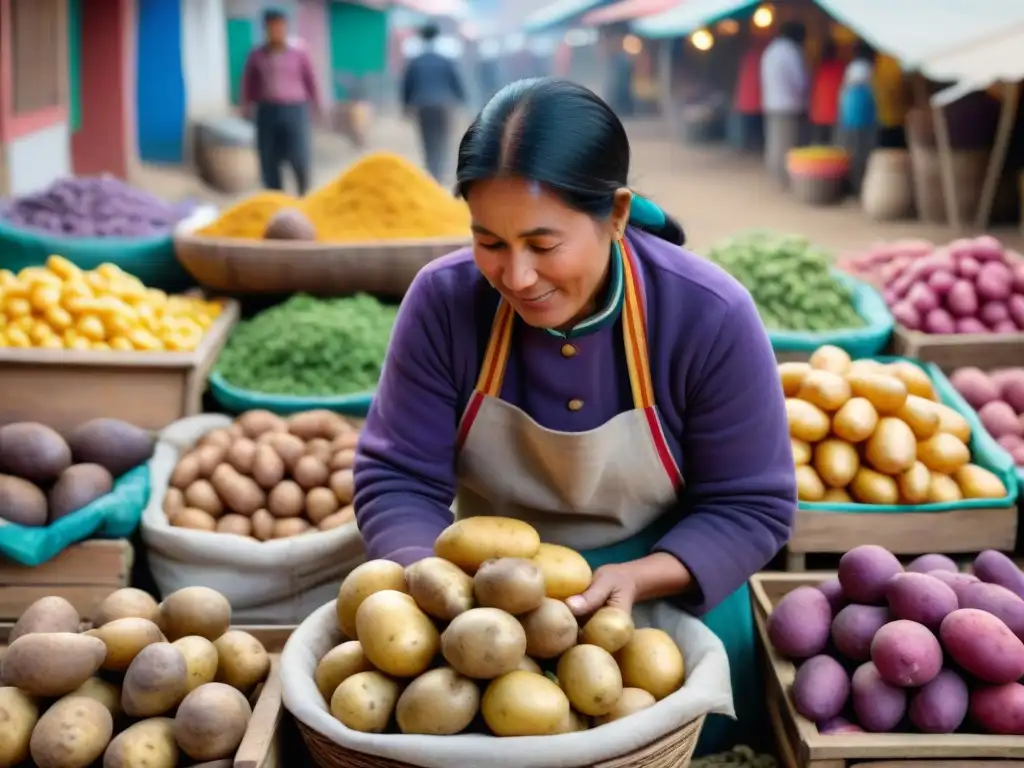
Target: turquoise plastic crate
(114,516)
(236,400)
(151,259)
(985,452)
(858,342)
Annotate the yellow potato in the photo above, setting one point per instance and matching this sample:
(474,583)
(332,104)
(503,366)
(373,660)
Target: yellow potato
(211,722)
(917,381)
(882,390)
(632,700)
(244,662)
(18,715)
(892,448)
(73,733)
(529,665)
(566,572)
(195,611)
(830,358)
(106,693)
(809,486)
(397,637)
(978,483)
(551,629)
(609,628)
(944,453)
(201,659)
(920,415)
(47,614)
(440,702)
(51,664)
(339,664)
(510,584)
(156,681)
(146,744)
(801,452)
(952,422)
(792,376)
(837,496)
(484,643)
(590,678)
(524,704)
(943,489)
(124,639)
(914,484)
(855,421)
(573,722)
(440,588)
(870,487)
(365,701)
(836,462)
(470,542)
(806,422)
(827,390)
(653,662)
(365,580)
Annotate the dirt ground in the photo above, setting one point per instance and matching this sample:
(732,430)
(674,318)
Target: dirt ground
(712,190)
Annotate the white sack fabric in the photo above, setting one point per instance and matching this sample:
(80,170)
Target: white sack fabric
(707,689)
(273,582)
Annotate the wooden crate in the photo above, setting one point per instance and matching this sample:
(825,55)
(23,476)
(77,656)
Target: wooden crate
(801,746)
(962,531)
(986,351)
(83,573)
(64,388)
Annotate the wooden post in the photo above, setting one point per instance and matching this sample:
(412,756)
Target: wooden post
(949,192)
(996,160)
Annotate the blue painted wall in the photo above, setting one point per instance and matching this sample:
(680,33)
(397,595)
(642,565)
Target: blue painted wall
(161,82)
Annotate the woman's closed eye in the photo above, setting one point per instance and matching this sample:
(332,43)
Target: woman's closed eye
(499,246)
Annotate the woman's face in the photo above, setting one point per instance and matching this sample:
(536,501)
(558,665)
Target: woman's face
(548,260)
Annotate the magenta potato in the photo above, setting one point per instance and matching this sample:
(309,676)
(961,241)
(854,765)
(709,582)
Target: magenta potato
(957,581)
(798,626)
(997,600)
(940,706)
(865,570)
(854,628)
(906,653)
(878,705)
(821,688)
(921,598)
(983,645)
(932,562)
(999,708)
(996,568)
(838,725)
(833,590)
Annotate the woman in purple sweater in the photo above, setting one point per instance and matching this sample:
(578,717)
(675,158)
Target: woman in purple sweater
(577,369)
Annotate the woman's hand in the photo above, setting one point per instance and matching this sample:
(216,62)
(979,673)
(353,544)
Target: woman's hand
(620,585)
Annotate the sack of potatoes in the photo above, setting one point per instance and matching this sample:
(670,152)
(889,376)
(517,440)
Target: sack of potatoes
(267,477)
(479,639)
(150,685)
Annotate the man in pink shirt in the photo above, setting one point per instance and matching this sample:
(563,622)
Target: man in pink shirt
(278,91)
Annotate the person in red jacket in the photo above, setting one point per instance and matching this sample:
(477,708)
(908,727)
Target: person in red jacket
(828,80)
(747,118)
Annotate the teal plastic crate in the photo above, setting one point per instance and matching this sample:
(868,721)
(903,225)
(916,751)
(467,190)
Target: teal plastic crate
(114,516)
(151,259)
(858,342)
(985,452)
(236,400)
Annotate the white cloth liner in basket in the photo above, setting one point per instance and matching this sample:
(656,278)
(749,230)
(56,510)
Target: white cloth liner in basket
(272,582)
(707,689)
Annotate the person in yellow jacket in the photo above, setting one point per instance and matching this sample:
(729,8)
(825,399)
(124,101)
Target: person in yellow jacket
(891,101)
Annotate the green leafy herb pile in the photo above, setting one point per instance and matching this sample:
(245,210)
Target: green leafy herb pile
(791,281)
(310,347)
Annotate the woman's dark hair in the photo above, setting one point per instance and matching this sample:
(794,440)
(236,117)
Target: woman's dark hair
(561,135)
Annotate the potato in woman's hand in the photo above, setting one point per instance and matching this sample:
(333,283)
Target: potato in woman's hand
(566,572)
(470,542)
(609,628)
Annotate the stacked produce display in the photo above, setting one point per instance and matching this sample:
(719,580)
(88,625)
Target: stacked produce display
(266,477)
(998,397)
(479,637)
(150,684)
(382,197)
(60,306)
(45,477)
(927,648)
(309,347)
(972,286)
(875,433)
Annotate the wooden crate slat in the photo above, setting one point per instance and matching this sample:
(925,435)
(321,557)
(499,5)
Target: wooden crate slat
(986,351)
(260,747)
(14,600)
(96,561)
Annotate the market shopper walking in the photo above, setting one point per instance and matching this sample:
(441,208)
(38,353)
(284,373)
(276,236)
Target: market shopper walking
(784,84)
(579,370)
(828,77)
(858,114)
(431,90)
(279,92)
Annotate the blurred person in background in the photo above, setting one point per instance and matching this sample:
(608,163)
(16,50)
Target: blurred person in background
(891,101)
(747,118)
(784,83)
(278,92)
(431,90)
(858,123)
(828,78)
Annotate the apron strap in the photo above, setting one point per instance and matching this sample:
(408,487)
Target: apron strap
(634,332)
(492,373)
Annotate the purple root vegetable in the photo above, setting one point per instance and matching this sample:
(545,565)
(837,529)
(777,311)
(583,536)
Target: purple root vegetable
(798,627)
(906,654)
(838,725)
(921,598)
(932,562)
(996,568)
(997,600)
(999,419)
(983,645)
(958,581)
(940,706)
(821,688)
(864,572)
(999,708)
(878,705)
(855,626)
(833,590)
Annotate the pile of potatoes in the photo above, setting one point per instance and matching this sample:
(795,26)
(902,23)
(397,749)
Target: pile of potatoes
(267,477)
(479,638)
(927,648)
(149,686)
(873,433)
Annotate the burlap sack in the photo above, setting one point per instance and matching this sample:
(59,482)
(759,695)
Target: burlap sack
(707,689)
(272,582)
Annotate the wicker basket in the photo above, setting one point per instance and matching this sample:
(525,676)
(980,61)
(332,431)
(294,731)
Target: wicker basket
(256,266)
(672,751)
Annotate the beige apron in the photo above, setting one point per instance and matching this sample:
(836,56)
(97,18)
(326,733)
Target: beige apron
(585,490)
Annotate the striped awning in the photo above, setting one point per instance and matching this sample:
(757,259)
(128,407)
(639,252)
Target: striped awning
(557,12)
(685,17)
(627,10)
(455,8)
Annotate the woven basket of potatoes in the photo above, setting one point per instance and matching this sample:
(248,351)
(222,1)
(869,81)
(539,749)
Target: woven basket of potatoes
(259,507)
(267,477)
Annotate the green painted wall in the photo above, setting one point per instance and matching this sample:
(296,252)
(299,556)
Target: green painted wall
(74,64)
(240,41)
(358,42)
